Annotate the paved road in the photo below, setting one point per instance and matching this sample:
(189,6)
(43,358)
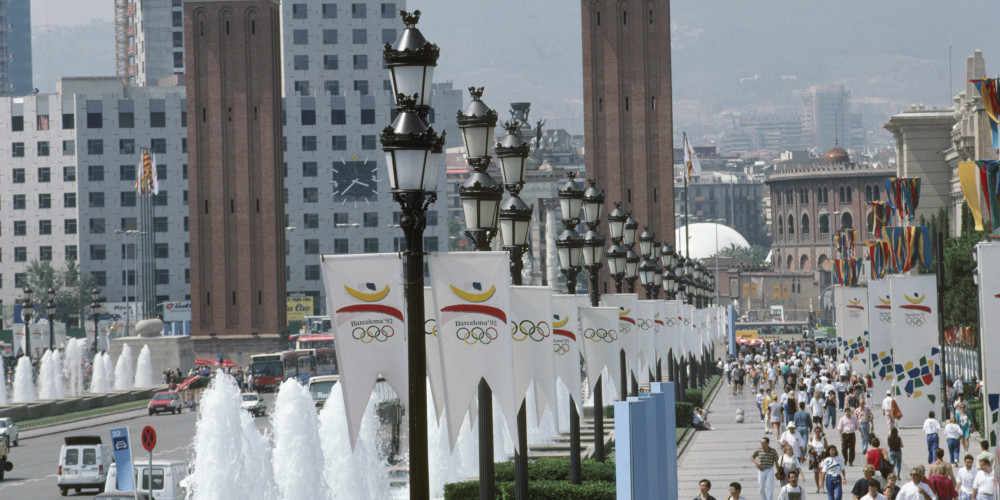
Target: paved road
(36,460)
(723,455)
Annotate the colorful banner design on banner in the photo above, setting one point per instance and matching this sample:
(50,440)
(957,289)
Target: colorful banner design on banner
(672,321)
(880,257)
(910,245)
(844,241)
(916,353)
(472,297)
(645,322)
(880,336)
(599,328)
(904,196)
(879,217)
(848,271)
(852,323)
(960,336)
(566,343)
(627,304)
(989,345)
(692,343)
(434,375)
(989,183)
(365,294)
(531,329)
(987,88)
(968,179)
(661,331)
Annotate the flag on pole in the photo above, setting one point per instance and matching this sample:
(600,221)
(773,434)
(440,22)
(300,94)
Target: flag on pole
(690,160)
(146,182)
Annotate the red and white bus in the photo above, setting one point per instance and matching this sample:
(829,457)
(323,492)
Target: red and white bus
(314,341)
(270,370)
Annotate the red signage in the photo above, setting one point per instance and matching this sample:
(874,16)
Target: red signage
(148,438)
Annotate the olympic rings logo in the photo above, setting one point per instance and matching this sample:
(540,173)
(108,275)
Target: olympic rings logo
(370,333)
(656,329)
(624,328)
(687,321)
(431,327)
(854,314)
(915,321)
(671,321)
(560,348)
(600,334)
(476,334)
(526,329)
(644,324)
(885,317)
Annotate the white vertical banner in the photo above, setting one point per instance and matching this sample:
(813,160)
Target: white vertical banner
(531,329)
(472,297)
(566,346)
(987,257)
(880,336)
(852,323)
(692,344)
(628,338)
(674,323)
(433,349)
(599,334)
(645,322)
(364,293)
(661,332)
(916,353)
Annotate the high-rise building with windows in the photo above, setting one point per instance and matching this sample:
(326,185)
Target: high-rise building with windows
(153,40)
(69,183)
(15,47)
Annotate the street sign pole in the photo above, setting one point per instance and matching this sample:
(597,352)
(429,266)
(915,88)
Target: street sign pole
(148,443)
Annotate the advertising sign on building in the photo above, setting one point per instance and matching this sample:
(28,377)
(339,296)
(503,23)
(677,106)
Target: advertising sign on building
(178,310)
(299,308)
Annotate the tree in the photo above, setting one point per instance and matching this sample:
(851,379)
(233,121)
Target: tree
(72,288)
(755,255)
(77,287)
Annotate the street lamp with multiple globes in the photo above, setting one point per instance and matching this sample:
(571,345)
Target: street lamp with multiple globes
(593,257)
(413,152)
(50,310)
(27,311)
(631,258)
(617,253)
(647,266)
(95,309)
(569,244)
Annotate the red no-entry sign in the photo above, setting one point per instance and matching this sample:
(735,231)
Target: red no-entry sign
(148,438)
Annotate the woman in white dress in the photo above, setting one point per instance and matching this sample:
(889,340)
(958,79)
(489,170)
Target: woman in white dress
(788,463)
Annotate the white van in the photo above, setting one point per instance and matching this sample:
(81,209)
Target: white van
(167,477)
(320,387)
(84,462)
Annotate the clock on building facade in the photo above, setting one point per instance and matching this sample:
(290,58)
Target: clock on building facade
(355,180)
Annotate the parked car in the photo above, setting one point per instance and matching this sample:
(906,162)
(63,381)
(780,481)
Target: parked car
(8,431)
(164,402)
(254,403)
(166,478)
(320,388)
(83,463)
(5,464)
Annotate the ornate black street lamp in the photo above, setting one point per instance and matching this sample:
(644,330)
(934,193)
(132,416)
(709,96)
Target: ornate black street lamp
(647,271)
(413,152)
(27,311)
(617,253)
(50,310)
(569,244)
(593,257)
(95,309)
(632,259)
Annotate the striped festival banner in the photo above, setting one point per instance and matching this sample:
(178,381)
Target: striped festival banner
(916,353)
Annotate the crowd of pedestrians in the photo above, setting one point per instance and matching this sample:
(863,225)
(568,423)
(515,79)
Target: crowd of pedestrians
(818,415)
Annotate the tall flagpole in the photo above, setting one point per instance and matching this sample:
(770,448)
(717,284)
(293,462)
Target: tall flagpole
(687,226)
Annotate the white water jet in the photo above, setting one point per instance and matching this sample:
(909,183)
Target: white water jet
(297,463)
(123,370)
(58,377)
(447,465)
(46,380)
(231,459)
(99,377)
(358,474)
(144,368)
(3,387)
(109,370)
(72,365)
(503,444)
(543,432)
(24,383)
(562,402)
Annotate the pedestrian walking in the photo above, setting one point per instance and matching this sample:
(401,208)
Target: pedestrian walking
(895,444)
(792,490)
(847,427)
(817,452)
(931,429)
(764,458)
(861,485)
(703,486)
(953,436)
(735,490)
(887,403)
(916,489)
(966,477)
(865,420)
(834,473)
(984,486)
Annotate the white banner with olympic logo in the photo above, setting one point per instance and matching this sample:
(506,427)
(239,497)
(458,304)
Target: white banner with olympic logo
(916,353)
(852,323)
(472,302)
(566,342)
(365,296)
(661,344)
(628,337)
(531,330)
(987,257)
(645,323)
(880,336)
(599,335)
(674,323)
(692,344)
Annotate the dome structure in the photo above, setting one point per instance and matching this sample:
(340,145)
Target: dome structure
(836,155)
(703,243)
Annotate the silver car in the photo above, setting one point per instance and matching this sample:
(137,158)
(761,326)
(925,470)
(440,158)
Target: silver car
(8,431)
(254,403)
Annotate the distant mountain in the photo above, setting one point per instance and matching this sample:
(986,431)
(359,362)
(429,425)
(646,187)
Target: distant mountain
(82,50)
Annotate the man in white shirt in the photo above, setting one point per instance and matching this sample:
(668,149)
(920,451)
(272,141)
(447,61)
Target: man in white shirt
(983,485)
(793,490)
(931,429)
(887,409)
(966,477)
(873,491)
(843,368)
(792,438)
(916,489)
(959,386)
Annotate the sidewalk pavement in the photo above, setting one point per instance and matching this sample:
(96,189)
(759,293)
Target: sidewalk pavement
(723,455)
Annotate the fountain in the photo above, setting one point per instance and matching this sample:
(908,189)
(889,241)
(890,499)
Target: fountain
(3,388)
(59,380)
(543,432)
(297,444)
(447,465)
(123,370)
(144,368)
(99,378)
(357,474)
(24,385)
(72,365)
(109,370)
(46,381)
(231,458)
